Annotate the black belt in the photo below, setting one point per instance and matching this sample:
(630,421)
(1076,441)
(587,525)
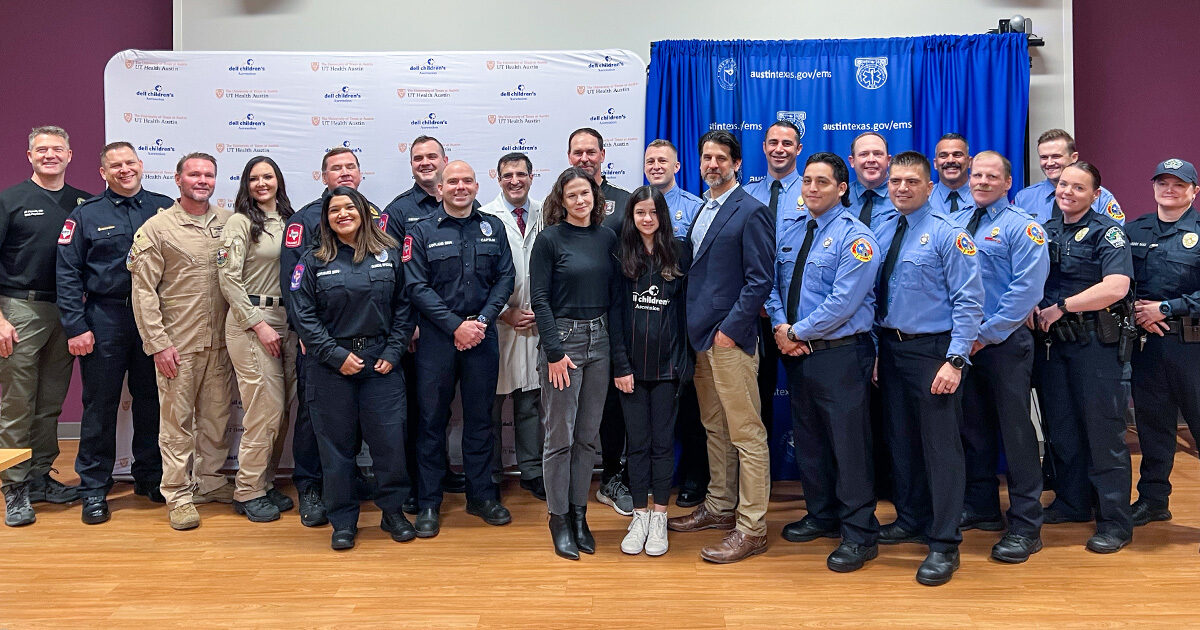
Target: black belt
(260,300)
(33,296)
(817,345)
(903,336)
(103,299)
(359,343)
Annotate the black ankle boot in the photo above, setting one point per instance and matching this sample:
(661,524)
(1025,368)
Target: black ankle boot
(564,540)
(583,535)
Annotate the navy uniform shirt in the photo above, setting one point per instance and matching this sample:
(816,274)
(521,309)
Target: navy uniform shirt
(1087,251)
(940,198)
(614,205)
(684,206)
(1038,201)
(837,294)
(342,299)
(1166,261)
(935,284)
(93,245)
(789,209)
(413,205)
(31,221)
(456,268)
(1013,262)
(881,211)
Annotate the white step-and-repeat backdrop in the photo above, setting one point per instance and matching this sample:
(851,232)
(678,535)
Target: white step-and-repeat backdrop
(296,106)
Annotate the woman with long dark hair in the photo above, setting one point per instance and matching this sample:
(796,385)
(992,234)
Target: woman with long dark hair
(354,318)
(571,282)
(261,345)
(650,358)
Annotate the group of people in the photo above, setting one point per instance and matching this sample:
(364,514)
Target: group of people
(911,317)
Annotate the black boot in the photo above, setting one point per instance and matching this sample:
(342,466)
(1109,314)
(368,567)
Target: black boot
(564,541)
(583,535)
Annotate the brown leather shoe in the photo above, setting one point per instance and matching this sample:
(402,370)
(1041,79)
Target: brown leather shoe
(700,519)
(736,546)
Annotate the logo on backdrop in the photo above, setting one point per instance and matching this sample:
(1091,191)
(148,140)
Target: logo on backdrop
(158,147)
(248,122)
(872,71)
(610,170)
(521,93)
(344,94)
(429,67)
(156,93)
(430,121)
(519,145)
(403,146)
(248,68)
(607,65)
(609,117)
(727,73)
(796,118)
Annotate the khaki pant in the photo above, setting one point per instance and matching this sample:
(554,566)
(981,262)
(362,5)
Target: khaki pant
(268,388)
(33,384)
(192,422)
(739,463)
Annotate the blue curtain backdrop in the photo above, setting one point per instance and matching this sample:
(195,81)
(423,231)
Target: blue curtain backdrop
(911,90)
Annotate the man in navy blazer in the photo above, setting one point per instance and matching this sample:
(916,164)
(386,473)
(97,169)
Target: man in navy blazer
(733,246)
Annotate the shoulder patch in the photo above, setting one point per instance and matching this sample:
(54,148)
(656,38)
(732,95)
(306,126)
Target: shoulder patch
(222,257)
(68,231)
(1113,209)
(129,260)
(406,253)
(383,221)
(965,244)
(294,236)
(1115,237)
(1035,233)
(297,275)
(861,249)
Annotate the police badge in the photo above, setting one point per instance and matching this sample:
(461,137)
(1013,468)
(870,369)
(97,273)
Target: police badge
(1190,239)
(485,228)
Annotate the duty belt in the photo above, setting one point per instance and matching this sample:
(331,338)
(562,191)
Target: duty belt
(817,345)
(33,296)
(359,343)
(265,300)
(903,336)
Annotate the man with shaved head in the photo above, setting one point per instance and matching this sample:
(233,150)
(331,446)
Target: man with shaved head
(459,273)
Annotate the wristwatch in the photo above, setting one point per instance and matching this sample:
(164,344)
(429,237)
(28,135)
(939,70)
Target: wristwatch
(957,361)
(791,334)
(482,320)
(1164,307)
(1062,306)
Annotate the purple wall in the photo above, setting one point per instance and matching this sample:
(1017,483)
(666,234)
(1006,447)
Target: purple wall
(54,73)
(1136,91)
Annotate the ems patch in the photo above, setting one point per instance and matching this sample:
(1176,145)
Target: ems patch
(609,207)
(68,230)
(965,244)
(1115,237)
(1190,239)
(297,276)
(1035,233)
(861,249)
(222,257)
(406,253)
(382,221)
(382,256)
(485,228)
(1113,209)
(1081,234)
(294,236)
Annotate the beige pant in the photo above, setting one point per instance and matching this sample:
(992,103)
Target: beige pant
(268,388)
(739,464)
(192,422)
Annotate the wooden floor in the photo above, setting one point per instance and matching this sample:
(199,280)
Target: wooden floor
(135,572)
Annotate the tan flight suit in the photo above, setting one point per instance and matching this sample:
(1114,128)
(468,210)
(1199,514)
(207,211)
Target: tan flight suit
(267,383)
(177,302)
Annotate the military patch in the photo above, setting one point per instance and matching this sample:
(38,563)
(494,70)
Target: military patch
(1079,236)
(609,207)
(222,257)
(828,242)
(68,230)
(965,244)
(861,249)
(382,256)
(294,236)
(1113,209)
(485,228)
(1115,237)
(1190,239)
(1035,233)
(297,276)
(129,259)
(382,221)
(406,253)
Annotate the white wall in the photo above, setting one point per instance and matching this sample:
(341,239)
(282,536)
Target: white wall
(401,25)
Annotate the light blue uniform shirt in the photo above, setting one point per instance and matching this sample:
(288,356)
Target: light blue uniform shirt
(684,206)
(940,199)
(1038,201)
(707,213)
(789,212)
(880,212)
(837,295)
(935,284)
(1013,262)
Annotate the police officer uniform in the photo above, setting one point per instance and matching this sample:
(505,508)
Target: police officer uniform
(1013,263)
(34,378)
(1038,201)
(1166,263)
(177,303)
(248,276)
(824,290)
(457,269)
(342,307)
(94,295)
(872,206)
(929,305)
(1080,380)
(413,205)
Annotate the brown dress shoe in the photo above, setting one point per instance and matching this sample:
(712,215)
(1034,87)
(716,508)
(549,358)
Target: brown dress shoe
(736,546)
(700,519)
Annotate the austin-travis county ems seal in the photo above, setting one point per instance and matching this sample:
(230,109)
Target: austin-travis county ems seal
(872,72)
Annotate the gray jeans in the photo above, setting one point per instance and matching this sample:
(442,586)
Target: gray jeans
(572,415)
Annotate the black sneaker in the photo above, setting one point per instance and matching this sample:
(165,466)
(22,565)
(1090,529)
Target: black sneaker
(17,510)
(615,495)
(536,487)
(47,489)
(1143,512)
(150,490)
(312,508)
(258,509)
(282,501)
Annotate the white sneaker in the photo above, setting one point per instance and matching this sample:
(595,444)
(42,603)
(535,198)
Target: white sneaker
(636,538)
(656,539)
